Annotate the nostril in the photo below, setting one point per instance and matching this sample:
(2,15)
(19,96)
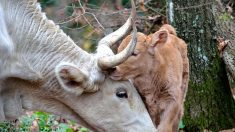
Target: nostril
(111,70)
(114,68)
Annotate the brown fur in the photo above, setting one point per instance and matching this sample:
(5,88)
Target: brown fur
(159,68)
(169,28)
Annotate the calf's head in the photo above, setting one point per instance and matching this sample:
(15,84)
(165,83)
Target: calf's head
(137,63)
(147,56)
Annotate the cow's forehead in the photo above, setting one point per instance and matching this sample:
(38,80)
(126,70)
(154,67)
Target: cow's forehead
(118,84)
(110,87)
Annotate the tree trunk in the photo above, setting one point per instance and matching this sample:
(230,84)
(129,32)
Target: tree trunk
(226,29)
(209,104)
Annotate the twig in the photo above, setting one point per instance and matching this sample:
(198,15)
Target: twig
(70,19)
(75,28)
(83,15)
(83,10)
(96,20)
(154,10)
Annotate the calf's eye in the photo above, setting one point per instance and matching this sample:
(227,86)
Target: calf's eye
(135,53)
(121,93)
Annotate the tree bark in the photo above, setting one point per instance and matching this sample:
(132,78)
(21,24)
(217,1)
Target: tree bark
(209,104)
(226,29)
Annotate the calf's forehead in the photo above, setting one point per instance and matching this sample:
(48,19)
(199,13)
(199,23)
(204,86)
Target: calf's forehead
(141,38)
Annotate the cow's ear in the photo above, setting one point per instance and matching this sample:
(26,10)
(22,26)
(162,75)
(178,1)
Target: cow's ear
(71,78)
(159,37)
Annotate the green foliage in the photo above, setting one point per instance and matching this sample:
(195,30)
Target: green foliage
(181,125)
(64,128)
(83,129)
(43,122)
(7,127)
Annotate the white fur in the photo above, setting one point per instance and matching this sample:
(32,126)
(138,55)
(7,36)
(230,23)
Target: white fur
(78,91)
(6,44)
(40,50)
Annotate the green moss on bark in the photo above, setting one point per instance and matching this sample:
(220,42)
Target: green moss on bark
(209,104)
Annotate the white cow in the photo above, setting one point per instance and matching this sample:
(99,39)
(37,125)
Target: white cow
(41,68)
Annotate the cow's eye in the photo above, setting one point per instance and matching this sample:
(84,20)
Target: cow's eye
(121,93)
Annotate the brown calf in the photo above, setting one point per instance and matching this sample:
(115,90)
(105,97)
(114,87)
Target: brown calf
(159,68)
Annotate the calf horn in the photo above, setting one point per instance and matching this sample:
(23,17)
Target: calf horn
(109,40)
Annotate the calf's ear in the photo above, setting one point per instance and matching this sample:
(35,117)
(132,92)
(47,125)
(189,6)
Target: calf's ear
(159,37)
(71,78)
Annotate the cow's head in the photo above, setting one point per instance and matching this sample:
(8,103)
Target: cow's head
(48,72)
(115,107)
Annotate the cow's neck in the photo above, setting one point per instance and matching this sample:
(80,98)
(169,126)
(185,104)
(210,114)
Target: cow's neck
(39,44)
(17,98)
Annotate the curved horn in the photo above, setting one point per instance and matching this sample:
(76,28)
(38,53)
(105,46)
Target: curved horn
(112,61)
(112,38)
